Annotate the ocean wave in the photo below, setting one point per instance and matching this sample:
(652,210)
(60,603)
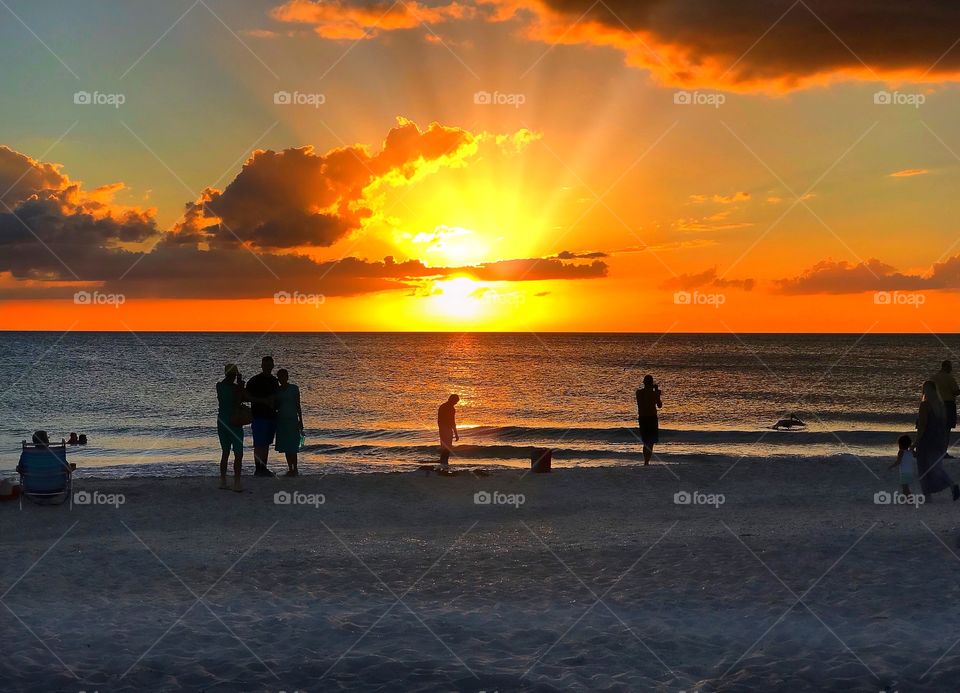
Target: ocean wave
(556,435)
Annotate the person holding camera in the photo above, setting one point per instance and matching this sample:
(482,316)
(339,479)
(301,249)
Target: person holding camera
(648,402)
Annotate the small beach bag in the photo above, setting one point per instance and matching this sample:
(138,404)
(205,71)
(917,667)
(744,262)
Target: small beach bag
(242,415)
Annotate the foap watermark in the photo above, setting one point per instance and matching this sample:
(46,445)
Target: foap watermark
(699,98)
(899,298)
(499,498)
(299,98)
(699,498)
(98,98)
(898,498)
(899,98)
(285,298)
(698,298)
(297,498)
(98,498)
(497,98)
(98,298)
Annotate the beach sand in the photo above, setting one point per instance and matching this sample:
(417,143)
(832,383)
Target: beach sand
(598,580)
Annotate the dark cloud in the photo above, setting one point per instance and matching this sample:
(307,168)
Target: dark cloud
(536,269)
(22,177)
(764,44)
(841,277)
(720,42)
(58,233)
(570,255)
(689,282)
(51,228)
(298,198)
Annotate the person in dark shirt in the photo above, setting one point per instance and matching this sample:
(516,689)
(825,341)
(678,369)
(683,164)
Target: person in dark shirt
(447,423)
(648,401)
(261,389)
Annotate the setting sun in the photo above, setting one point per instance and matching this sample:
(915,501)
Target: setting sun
(460,299)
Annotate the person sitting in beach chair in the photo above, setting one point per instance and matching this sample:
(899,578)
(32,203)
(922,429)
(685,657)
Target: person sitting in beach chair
(792,421)
(45,474)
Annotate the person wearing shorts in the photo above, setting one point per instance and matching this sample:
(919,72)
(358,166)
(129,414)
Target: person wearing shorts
(261,389)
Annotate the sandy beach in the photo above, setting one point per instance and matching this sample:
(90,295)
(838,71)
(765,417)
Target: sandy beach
(592,579)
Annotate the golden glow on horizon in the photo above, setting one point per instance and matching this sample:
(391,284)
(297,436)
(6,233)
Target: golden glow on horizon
(459,299)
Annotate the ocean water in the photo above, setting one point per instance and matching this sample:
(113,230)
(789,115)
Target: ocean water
(147,402)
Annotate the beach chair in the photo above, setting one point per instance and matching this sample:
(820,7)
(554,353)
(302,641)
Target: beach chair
(45,475)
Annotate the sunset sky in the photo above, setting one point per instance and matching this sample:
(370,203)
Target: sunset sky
(654,165)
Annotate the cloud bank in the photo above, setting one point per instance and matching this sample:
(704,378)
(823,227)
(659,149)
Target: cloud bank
(767,45)
(247,240)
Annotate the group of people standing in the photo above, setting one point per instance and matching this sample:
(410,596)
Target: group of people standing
(922,460)
(274,414)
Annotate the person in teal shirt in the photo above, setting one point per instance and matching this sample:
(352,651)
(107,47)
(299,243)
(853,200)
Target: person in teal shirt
(289,420)
(230,394)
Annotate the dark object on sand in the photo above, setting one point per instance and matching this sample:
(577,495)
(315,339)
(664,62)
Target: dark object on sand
(82,439)
(45,474)
(541,460)
(792,421)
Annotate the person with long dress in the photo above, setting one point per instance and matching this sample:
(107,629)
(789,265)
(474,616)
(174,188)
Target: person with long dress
(289,420)
(932,436)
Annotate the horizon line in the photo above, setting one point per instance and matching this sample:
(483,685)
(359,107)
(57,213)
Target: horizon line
(491,332)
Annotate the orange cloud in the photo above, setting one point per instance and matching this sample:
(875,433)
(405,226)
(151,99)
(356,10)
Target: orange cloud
(721,199)
(298,198)
(909,173)
(340,20)
(58,237)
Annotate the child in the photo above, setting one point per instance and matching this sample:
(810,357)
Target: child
(907,463)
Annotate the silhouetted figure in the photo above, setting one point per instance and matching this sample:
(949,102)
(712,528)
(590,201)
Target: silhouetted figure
(447,423)
(648,402)
(792,421)
(907,463)
(230,395)
(948,391)
(289,420)
(931,445)
(261,389)
(82,439)
(73,439)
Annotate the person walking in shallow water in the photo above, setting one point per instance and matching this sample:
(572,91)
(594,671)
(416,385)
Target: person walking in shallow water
(447,424)
(648,402)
